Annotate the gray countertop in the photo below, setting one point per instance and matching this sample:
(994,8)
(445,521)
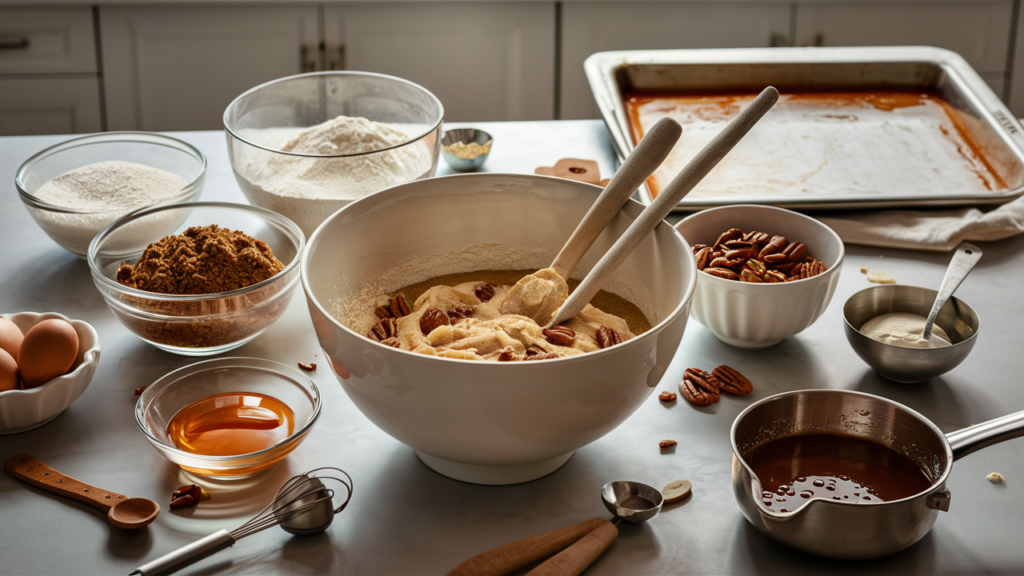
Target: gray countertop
(406,519)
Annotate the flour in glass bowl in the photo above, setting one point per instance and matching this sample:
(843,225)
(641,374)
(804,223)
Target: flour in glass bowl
(308,189)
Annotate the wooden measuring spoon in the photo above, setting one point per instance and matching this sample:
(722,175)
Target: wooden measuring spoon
(677,189)
(123,512)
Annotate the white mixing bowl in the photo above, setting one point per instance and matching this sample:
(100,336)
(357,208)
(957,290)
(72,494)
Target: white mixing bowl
(489,422)
(749,315)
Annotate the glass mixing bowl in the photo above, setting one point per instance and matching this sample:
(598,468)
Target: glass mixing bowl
(261,122)
(204,324)
(160,402)
(73,228)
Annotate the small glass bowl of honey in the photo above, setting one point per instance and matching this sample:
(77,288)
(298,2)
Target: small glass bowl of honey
(230,417)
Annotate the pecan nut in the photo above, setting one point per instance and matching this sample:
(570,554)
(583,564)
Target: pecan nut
(484,291)
(606,337)
(560,335)
(723,262)
(730,234)
(544,356)
(699,388)
(431,320)
(698,247)
(812,268)
(758,239)
(776,244)
(748,275)
(667,397)
(724,273)
(666,444)
(741,253)
(384,329)
(774,276)
(533,350)
(508,355)
(399,306)
(757,267)
(307,367)
(730,380)
(460,312)
(188,496)
(796,251)
(703,258)
(393,342)
(383,312)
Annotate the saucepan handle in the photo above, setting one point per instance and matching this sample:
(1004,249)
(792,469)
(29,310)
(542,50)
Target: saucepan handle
(974,438)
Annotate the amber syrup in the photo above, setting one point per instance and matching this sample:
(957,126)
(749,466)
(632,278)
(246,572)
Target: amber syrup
(231,424)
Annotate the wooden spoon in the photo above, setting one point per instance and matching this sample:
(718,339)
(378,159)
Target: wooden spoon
(681,185)
(123,512)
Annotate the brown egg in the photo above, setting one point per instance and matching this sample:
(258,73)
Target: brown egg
(8,372)
(48,350)
(10,337)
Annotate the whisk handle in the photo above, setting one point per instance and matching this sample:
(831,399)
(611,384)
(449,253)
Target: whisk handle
(186,555)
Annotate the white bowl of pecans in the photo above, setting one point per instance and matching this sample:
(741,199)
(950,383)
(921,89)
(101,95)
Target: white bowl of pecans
(765,273)
(488,422)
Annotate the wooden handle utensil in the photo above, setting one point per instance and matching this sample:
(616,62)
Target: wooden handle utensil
(511,557)
(574,560)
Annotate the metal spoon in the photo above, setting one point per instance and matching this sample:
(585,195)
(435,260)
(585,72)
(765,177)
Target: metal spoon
(630,501)
(123,512)
(964,259)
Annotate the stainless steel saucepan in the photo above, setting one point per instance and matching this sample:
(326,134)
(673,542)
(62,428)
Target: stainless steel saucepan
(856,530)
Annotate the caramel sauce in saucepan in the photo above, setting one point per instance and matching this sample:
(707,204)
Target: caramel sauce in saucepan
(794,469)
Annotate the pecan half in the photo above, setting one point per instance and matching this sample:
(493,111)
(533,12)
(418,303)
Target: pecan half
(757,238)
(741,253)
(307,367)
(666,444)
(737,244)
(788,267)
(560,335)
(698,247)
(703,258)
(186,501)
(606,337)
(795,252)
(776,258)
(386,328)
(508,355)
(383,312)
(730,380)
(757,267)
(544,356)
(723,262)
(667,397)
(722,273)
(431,320)
(187,496)
(748,275)
(699,387)
(393,342)
(730,234)
(533,350)
(399,306)
(774,276)
(460,312)
(812,268)
(484,291)
(776,244)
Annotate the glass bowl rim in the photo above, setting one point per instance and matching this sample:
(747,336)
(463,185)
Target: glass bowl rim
(433,128)
(105,138)
(317,406)
(269,215)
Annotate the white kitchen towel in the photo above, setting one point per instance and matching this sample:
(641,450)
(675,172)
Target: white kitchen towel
(938,230)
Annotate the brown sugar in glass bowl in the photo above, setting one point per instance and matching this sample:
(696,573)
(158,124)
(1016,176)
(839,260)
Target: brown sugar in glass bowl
(252,295)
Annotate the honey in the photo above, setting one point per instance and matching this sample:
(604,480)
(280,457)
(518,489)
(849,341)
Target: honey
(231,424)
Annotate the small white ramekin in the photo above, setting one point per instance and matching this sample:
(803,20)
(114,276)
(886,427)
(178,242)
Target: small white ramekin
(22,410)
(751,315)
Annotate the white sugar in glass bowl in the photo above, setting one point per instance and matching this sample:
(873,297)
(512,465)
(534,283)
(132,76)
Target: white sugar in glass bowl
(491,422)
(752,315)
(23,410)
(262,120)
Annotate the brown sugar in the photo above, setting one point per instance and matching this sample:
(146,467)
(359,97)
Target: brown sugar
(201,260)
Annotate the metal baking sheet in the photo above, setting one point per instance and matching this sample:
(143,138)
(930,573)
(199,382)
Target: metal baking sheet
(871,182)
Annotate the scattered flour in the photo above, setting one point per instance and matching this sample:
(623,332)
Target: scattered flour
(309,189)
(98,194)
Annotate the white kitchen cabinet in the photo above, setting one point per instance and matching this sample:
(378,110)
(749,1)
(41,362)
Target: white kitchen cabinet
(979,30)
(42,40)
(589,27)
(176,67)
(484,60)
(49,106)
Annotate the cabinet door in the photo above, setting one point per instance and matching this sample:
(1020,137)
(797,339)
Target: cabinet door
(47,40)
(484,60)
(49,106)
(979,30)
(589,27)
(177,67)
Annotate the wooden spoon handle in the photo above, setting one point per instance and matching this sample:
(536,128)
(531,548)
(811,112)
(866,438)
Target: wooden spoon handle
(648,155)
(511,557)
(575,559)
(28,469)
(677,189)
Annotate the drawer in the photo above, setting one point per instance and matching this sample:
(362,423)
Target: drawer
(47,40)
(49,106)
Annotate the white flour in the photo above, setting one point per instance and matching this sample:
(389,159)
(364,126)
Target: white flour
(103,192)
(309,189)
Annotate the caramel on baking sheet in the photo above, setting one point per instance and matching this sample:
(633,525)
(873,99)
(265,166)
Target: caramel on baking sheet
(850,143)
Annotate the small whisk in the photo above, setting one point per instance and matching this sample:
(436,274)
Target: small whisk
(303,505)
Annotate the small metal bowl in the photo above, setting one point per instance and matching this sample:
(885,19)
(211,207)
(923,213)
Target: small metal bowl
(465,136)
(909,365)
(632,501)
